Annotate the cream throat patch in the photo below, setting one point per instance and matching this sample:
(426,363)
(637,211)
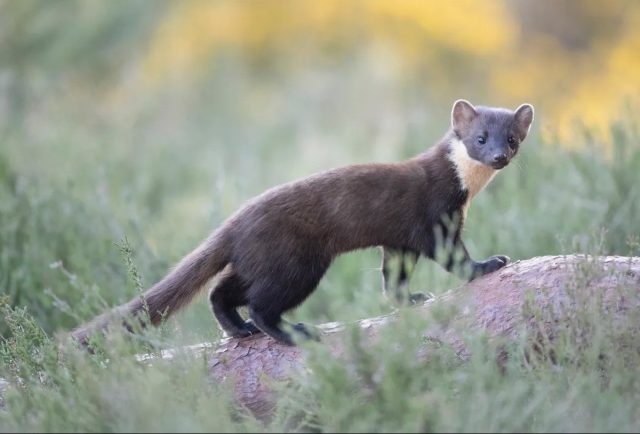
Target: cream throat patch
(473,175)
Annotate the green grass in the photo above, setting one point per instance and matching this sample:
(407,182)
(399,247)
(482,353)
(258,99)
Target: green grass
(65,257)
(98,200)
(586,379)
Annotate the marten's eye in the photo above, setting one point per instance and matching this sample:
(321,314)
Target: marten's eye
(512,142)
(482,140)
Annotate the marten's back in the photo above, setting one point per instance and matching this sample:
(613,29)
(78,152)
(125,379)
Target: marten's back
(348,208)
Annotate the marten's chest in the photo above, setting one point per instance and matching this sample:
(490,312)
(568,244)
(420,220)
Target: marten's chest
(472,174)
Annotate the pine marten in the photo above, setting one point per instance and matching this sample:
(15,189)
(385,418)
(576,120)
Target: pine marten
(271,254)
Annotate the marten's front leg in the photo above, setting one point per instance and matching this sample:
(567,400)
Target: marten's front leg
(460,262)
(397,266)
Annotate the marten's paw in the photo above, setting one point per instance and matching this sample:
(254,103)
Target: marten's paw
(419,297)
(304,332)
(489,266)
(504,259)
(494,263)
(249,329)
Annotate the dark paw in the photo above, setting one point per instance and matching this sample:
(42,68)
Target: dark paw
(490,265)
(249,329)
(410,299)
(304,332)
(418,298)
(502,258)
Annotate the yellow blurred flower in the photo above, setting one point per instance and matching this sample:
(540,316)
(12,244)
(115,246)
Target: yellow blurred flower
(584,85)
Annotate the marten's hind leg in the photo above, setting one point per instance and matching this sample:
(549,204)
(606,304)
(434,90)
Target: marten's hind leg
(225,298)
(271,324)
(271,297)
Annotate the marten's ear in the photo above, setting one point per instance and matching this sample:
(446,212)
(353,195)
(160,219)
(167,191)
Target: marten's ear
(524,117)
(462,114)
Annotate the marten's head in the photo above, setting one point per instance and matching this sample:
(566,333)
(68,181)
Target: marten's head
(491,136)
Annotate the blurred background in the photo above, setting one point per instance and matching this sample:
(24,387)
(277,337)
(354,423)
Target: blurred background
(129,130)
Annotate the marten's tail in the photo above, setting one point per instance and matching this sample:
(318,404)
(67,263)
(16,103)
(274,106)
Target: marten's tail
(175,290)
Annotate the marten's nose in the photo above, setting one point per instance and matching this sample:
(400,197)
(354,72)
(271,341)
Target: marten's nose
(500,158)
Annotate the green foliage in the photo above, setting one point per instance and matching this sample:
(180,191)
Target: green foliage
(45,258)
(56,387)
(585,379)
(105,181)
(63,261)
